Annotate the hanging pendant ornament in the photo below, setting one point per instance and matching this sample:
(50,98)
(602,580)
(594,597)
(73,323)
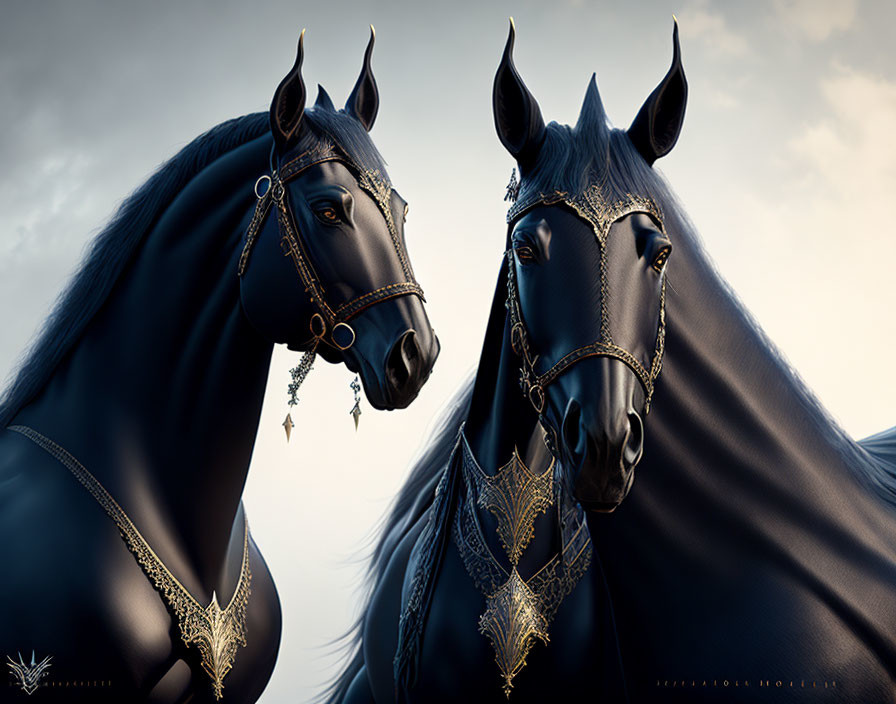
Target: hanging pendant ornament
(513,188)
(288,425)
(298,373)
(356,409)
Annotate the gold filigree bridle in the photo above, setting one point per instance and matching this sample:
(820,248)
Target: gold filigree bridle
(328,322)
(592,206)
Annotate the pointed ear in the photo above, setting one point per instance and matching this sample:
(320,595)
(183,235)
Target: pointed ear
(658,124)
(323,99)
(289,103)
(518,119)
(364,102)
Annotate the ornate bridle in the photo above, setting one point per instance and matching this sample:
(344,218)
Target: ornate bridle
(328,324)
(592,206)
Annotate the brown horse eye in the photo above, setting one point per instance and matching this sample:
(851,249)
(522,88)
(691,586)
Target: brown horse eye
(660,260)
(328,214)
(525,254)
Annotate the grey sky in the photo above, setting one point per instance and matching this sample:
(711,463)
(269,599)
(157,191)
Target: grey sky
(787,164)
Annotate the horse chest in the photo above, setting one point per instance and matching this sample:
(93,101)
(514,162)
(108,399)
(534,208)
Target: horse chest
(81,597)
(580,661)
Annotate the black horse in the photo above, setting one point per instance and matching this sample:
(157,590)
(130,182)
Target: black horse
(147,383)
(758,548)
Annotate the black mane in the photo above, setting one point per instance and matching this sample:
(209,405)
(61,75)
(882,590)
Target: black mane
(572,158)
(569,159)
(115,245)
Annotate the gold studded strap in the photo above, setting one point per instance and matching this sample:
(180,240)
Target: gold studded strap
(378,187)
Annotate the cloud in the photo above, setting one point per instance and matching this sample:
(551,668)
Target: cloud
(851,150)
(711,28)
(817,228)
(816,19)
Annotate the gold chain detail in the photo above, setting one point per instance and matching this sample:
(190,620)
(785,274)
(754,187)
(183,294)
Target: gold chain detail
(592,205)
(516,496)
(216,632)
(380,189)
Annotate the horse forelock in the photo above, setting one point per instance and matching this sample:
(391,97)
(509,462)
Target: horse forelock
(345,132)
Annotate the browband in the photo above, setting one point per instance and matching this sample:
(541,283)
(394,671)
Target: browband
(594,208)
(326,318)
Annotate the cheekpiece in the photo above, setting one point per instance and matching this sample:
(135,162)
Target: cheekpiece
(597,210)
(327,319)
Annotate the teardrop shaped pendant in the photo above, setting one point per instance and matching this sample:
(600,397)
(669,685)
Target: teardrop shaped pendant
(356,409)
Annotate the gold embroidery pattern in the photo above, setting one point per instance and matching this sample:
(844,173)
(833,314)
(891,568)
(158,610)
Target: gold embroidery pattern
(216,632)
(518,612)
(513,620)
(380,189)
(516,496)
(591,205)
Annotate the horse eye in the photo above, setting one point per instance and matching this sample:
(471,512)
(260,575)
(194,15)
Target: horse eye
(660,260)
(525,254)
(327,214)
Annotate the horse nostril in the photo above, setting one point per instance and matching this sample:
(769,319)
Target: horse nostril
(571,428)
(409,347)
(402,360)
(634,442)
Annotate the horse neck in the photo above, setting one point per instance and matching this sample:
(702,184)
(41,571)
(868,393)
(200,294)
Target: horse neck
(501,421)
(735,433)
(160,399)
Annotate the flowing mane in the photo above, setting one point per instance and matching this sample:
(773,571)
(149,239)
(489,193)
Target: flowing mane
(110,252)
(569,157)
(115,245)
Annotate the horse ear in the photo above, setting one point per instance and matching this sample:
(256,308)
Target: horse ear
(289,103)
(323,99)
(364,102)
(658,124)
(518,119)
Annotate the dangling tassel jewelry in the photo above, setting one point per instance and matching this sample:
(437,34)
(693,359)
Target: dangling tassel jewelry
(356,409)
(513,188)
(298,373)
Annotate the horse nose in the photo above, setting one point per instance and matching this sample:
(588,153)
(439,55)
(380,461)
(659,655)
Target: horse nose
(403,365)
(634,442)
(603,451)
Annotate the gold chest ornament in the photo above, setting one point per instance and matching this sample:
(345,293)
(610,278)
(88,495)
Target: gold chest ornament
(216,632)
(518,612)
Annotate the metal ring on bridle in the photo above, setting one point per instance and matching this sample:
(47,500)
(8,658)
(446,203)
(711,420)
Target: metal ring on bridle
(341,326)
(317,321)
(275,197)
(264,177)
(600,216)
(537,397)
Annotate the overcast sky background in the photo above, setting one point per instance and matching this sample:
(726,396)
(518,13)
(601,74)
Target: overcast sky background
(787,164)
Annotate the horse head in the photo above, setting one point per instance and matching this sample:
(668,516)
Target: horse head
(586,256)
(325,267)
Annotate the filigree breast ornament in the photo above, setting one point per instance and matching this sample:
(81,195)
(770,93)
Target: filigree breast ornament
(216,632)
(518,611)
